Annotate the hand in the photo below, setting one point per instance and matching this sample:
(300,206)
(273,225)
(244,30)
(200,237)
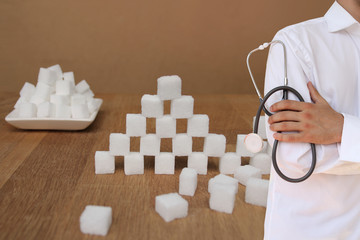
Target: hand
(308,122)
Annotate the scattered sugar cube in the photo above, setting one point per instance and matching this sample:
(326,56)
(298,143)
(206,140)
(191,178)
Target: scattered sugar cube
(150,145)
(165,163)
(27,110)
(198,125)
(261,128)
(96,220)
(63,87)
(257,191)
(182,145)
(222,198)
(244,173)
(104,162)
(94,105)
(135,125)
(241,149)
(47,76)
(188,182)
(27,91)
(152,106)
(134,164)
(78,99)
(57,69)
(166,127)
(119,144)
(169,87)
(82,86)
(199,162)
(229,162)
(182,107)
(215,145)
(222,179)
(46,110)
(261,161)
(60,99)
(19,102)
(171,206)
(43,91)
(62,111)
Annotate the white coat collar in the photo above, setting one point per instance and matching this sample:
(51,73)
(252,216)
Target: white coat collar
(338,18)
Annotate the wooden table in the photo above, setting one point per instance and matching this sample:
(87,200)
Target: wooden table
(47,178)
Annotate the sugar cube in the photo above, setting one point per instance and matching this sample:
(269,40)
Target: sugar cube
(241,149)
(119,144)
(135,125)
(104,162)
(188,182)
(57,69)
(182,145)
(244,173)
(80,111)
(88,94)
(198,125)
(222,179)
(35,99)
(261,161)
(182,107)
(27,110)
(19,102)
(171,206)
(43,91)
(47,76)
(62,111)
(222,198)
(152,106)
(165,163)
(94,105)
(215,145)
(261,127)
(96,220)
(82,86)
(150,145)
(60,99)
(134,163)
(166,127)
(63,87)
(69,76)
(27,91)
(169,87)
(46,110)
(199,162)
(78,99)
(229,162)
(256,191)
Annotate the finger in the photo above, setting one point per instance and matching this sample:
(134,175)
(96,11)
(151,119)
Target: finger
(286,127)
(314,94)
(288,105)
(284,116)
(288,137)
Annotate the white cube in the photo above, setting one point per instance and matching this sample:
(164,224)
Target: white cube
(82,86)
(46,110)
(257,191)
(188,182)
(152,106)
(229,162)
(241,149)
(119,144)
(198,125)
(20,101)
(96,220)
(47,76)
(27,91)
(169,87)
(261,161)
(69,76)
(43,90)
(78,99)
(150,145)
(222,198)
(134,164)
(62,111)
(104,163)
(63,87)
(199,162)
(215,145)
(35,99)
(223,179)
(182,107)
(94,104)
(135,125)
(57,69)
(244,173)
(80,111)
(171,206)
(165,163)
(60,99)
(88,94)
(166,127)
(261,127)
(27,110)
(182,145)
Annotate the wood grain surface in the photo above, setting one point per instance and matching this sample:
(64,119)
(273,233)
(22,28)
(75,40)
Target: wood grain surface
(47,178)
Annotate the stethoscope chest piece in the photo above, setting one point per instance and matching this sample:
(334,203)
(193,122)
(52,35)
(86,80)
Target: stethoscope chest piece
(253,142)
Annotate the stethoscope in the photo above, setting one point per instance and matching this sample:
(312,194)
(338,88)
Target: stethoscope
(253,141)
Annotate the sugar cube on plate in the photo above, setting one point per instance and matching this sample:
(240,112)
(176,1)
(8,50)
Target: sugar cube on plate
(96,220)
(104,163)
(150,145)
(198,125)
(57,69)
(166,127)
(134,163)
(46,110)
(27,110)
(43,91)
(222,179)
(63,87)
(20,101)
(165,163)
(27,91)
(82,86)
(60,99)
(182,145)
(171,206)
(257,191)
(215,145)
(48,76)
(261,161)
(80,111)
(119,144)
(69,76)
(244,173)
(229,162)
(199,162)
(77,99)
(169,87)
(188,182)
(222,198)
(62,111)
(152,106)
(182,107)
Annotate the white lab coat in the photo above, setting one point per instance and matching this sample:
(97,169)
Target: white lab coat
(325,51)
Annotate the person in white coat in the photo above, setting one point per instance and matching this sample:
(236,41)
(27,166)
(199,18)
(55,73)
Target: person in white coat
(324,66)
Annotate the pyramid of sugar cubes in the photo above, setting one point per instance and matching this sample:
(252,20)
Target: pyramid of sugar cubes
(56,96)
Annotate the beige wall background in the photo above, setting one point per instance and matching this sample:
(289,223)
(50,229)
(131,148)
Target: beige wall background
(123,46)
